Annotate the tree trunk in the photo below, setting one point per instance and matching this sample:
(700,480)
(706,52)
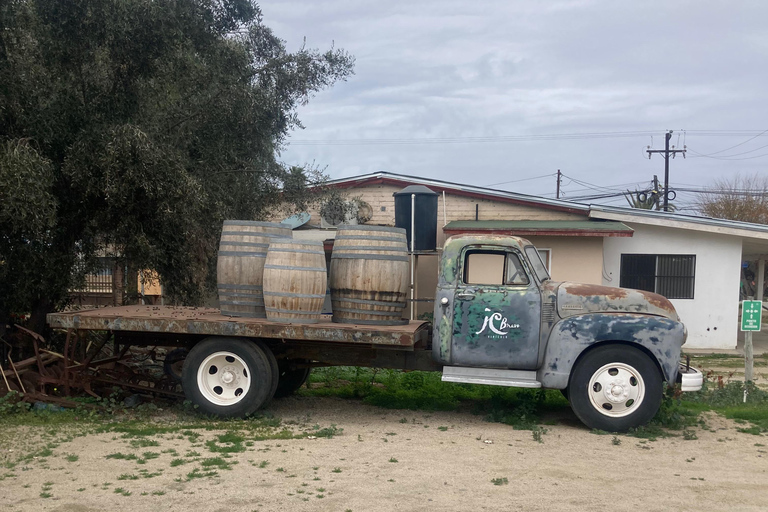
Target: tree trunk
(40,308)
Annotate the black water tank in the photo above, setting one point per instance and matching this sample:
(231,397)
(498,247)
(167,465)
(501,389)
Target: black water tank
(426,216)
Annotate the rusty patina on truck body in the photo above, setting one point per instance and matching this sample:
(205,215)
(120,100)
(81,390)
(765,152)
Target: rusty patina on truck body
(610,348)
(499,320)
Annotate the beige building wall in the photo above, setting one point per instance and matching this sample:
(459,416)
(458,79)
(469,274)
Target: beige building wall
(573,258)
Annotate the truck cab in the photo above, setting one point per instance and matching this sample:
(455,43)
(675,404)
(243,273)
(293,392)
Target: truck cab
(500,319)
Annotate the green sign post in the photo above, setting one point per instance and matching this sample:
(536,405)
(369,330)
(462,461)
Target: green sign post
(751,314)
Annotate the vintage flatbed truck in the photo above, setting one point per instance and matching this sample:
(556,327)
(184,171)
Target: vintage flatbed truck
(498,320)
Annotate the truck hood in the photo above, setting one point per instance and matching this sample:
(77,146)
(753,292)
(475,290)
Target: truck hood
(577,299)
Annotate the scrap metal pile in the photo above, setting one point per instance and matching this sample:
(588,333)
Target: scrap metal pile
(88,366)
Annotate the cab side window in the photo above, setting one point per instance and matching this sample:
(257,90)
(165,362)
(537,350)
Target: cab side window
(494,268)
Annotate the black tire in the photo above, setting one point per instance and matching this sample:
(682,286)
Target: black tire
(290,378)
(272,364)
(244,382)
(174,363)
(615,402)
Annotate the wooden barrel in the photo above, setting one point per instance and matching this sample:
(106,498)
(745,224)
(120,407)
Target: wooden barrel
(295,281)
(369,275)
(240,267)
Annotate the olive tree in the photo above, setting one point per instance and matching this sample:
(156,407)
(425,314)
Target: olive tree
(140,125)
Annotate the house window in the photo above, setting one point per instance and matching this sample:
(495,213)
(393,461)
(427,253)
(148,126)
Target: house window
(546,258)
(670,275)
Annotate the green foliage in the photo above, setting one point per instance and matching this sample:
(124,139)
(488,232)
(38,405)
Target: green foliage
(137,126)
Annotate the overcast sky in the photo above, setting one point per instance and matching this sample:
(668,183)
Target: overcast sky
(463,91)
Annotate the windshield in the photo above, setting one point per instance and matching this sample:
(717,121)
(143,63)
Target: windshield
(538,265)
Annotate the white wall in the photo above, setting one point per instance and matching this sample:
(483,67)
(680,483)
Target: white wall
(712,316)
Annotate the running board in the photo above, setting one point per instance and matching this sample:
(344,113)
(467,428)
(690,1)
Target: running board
(490,376)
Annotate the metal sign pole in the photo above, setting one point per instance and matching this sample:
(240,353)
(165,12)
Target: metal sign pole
(413,256)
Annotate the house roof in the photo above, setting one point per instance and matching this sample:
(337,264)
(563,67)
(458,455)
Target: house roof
(388,178)
(539,227)
(677,220)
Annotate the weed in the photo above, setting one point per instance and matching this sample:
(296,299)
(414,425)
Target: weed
(45,494)
(121,491)
(158,493)
(263,464)
(689,435)
(127,476)
(392,459)
(143,443)
(71,458)
(500,481)
(122,456)
(443,429)
(538,433)
(216,462)
(336,470)
(177,462)
(616,441)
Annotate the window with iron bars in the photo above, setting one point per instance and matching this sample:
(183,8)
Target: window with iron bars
(670,275)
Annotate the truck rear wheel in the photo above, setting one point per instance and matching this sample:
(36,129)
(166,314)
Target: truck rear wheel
(615,388)
(229,376)
(290,378)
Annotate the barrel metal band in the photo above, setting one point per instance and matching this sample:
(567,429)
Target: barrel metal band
(272,248)
(280,225)
(299,295)
(372,248)
(253,233)
(232,295)
(344,255)
(294,320)
(292,311)
(377,238)
(367,301)
(244,244)
(237,253)
(291,267)
(368,312)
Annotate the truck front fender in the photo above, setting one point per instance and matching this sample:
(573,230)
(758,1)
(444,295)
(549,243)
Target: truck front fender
(659,336)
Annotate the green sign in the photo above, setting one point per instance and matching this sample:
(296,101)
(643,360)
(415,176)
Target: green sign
(751,314)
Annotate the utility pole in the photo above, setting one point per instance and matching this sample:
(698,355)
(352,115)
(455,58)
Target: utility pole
(559,179)
(666,152)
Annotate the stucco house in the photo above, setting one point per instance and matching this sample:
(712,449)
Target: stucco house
(694,261)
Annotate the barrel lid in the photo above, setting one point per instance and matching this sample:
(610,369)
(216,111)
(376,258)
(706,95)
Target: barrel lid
(256,223)
(365,227)
(416,189)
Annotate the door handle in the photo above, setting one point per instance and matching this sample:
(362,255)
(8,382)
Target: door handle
(466,295)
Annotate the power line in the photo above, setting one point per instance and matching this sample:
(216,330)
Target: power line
(524,179)
(515,138)
(737,145)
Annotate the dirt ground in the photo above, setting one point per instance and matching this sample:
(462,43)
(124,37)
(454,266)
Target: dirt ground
(392,460)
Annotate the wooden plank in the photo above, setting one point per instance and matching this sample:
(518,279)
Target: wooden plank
(210,322)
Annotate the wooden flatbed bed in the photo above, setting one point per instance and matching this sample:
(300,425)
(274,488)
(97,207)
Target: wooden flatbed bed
(210,322)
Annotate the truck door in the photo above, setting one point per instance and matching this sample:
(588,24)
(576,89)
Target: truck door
(496,311)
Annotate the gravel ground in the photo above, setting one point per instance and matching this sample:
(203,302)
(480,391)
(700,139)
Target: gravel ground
(388,460)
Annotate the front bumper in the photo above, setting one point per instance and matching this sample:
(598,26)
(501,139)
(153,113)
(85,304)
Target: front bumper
(690,379)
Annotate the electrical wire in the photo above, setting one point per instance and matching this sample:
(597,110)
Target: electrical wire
(524,179)
(737,145)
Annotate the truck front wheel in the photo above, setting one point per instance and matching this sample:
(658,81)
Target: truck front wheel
(228,376)
(615,388)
